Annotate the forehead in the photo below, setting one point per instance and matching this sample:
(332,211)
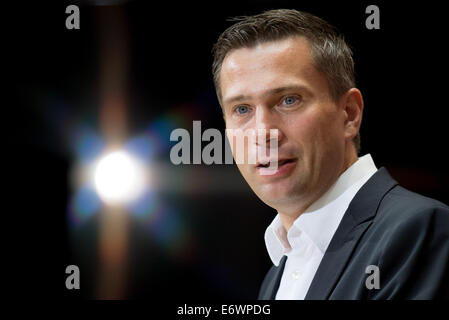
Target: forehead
(274,63)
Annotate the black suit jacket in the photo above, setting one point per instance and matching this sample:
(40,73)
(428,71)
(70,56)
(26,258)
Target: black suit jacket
(404,234)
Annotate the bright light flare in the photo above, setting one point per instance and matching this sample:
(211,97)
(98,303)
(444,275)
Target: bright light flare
(119,178)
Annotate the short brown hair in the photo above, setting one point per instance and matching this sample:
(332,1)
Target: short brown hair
(330,53)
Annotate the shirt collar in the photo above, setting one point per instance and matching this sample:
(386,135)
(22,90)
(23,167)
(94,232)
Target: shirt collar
(321,219)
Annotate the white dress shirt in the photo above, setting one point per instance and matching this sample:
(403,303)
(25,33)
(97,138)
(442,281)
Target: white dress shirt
(309,236)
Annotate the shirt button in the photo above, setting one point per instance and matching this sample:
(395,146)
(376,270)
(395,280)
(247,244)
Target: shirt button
(296,274)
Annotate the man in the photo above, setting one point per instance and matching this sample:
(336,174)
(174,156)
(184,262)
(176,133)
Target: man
(344,229)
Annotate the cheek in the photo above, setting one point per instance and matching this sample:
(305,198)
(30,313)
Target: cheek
(302,128)
(239,142)
(314,129)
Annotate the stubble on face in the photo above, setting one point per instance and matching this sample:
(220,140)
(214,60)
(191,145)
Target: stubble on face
(311,131)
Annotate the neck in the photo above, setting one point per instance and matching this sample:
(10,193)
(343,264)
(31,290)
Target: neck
(288,219)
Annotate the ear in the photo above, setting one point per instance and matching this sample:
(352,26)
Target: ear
(352,104)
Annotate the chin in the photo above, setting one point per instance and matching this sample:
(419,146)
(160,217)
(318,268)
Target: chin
(274,196)
(280,194)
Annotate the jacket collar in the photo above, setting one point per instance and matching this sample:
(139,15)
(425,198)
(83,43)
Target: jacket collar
(321,219)
(355,222)
(268,292)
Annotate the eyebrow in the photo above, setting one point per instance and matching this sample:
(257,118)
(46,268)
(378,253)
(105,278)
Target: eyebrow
(266,93)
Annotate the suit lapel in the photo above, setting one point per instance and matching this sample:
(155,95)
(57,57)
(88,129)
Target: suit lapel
(355,222)
(273,281)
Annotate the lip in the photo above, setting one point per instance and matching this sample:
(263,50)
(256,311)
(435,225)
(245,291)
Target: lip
(268,160)
(285,166)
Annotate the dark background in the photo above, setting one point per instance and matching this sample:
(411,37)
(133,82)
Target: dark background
(54,77)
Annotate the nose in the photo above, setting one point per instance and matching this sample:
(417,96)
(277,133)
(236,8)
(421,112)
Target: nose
(267,127)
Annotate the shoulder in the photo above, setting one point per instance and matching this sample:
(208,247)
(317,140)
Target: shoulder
(400,206)
(409,222)
(412,234)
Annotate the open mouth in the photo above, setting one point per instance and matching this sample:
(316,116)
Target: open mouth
(279,163)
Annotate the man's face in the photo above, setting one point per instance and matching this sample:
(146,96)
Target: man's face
(275,86)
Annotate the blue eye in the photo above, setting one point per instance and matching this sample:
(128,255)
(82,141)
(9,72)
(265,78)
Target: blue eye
(242,109)
(290,100)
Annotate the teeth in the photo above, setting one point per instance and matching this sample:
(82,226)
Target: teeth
(265,165)
(279,162)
